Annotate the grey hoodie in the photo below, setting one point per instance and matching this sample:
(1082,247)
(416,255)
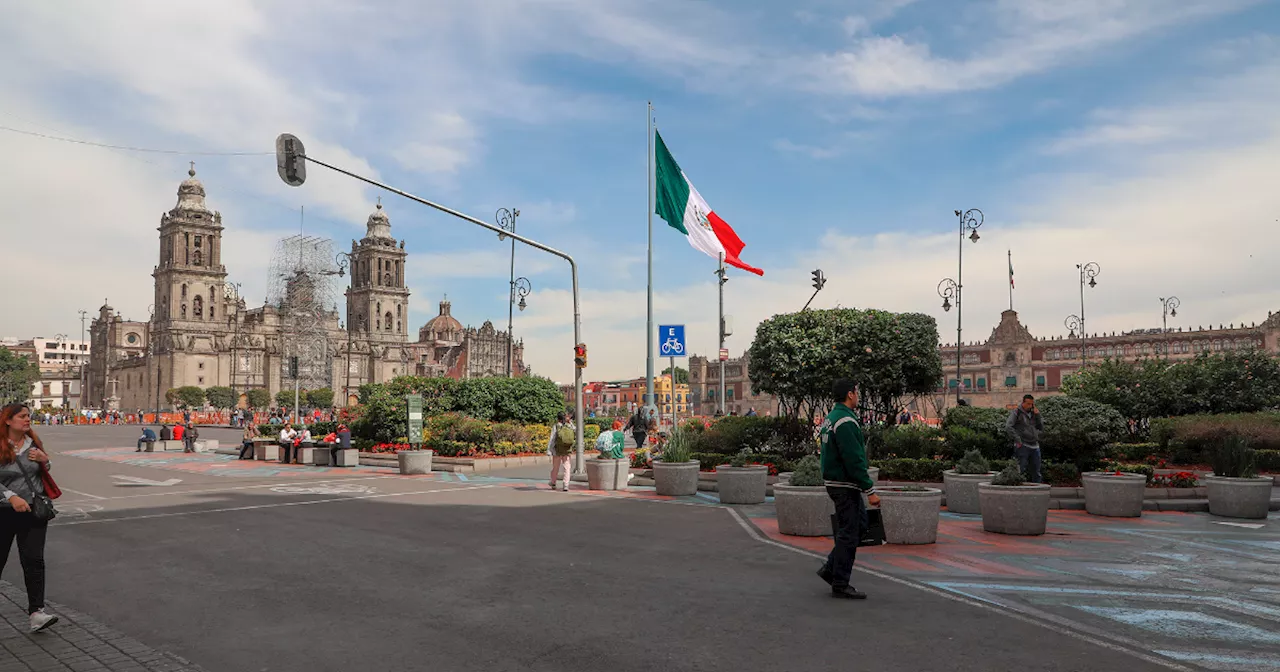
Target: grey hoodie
(1024,427)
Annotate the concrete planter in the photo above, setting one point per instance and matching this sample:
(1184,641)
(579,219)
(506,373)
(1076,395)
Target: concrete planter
(320,457)
(622,477)
(675,479)
(602,474)
(304,455)
(348,458)
(962,490)
(1239,497)
(742,485)
(910,516)
(803,511)
(1113,495)
(1014,509)
(266,452)
(414,461)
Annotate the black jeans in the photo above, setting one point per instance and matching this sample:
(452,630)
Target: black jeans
(640,438)
(246,448)
(850,517)
(30,534)
(286,452)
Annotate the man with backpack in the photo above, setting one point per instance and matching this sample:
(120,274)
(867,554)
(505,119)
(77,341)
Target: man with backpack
(639,426)
(560,448)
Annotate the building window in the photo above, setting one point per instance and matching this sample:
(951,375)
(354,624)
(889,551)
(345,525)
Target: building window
(184,311)
(387,319)
(197,307)
(1011,381)
(184,290)
(953,383)
(44,389)
(200,366)
(1039,381)
(982,383)
(200,380)
(968,383)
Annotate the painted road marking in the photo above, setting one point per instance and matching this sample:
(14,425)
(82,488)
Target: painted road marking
(276,505)
(1252,526)
(82,494)
(327,489)
(175,493)
(134,480)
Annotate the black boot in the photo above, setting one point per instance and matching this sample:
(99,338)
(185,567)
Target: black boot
(825,574)
(847,593)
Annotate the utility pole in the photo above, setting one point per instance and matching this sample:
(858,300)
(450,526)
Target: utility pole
(507,222)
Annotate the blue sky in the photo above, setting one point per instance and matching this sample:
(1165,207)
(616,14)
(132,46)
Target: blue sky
(1138,134)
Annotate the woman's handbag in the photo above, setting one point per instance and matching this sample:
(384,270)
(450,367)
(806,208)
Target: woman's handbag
(50,487)
(41,506)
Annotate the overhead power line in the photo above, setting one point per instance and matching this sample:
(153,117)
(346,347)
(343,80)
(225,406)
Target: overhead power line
(90,143)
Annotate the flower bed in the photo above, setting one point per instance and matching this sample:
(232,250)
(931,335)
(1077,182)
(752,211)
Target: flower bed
(1182,479)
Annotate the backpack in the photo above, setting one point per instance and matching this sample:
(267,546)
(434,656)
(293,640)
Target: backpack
(565,438)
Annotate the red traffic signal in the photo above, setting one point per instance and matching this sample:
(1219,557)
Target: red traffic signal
(580,355)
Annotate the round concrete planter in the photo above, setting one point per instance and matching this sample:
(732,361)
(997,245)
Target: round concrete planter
(910,516)
(622,476)
(602,474)
(675,479)
(962,490)
(415,461)
(742,485)
(1114,495)
(873,472)
(803,511)
(1239,497)
(1014,509)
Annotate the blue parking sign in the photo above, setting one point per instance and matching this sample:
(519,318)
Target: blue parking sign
(671,340)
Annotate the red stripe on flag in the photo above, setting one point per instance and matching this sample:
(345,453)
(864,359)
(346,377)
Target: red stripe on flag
(732,243)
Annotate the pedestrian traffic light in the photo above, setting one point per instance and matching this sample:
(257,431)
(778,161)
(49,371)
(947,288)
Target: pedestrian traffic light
(580,355)
(819,279)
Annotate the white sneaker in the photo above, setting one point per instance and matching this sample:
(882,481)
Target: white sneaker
(41,620)
(564,487)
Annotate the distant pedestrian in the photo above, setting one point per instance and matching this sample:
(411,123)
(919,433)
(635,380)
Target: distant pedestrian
(1024,425)
(751,413)
(639,427)
(287,437)
(246,441)
(189,436)
(344,443)
(178,431)
(148,437)
(22,463)
(844,472)
(904,418)
(166,434)
(560,448)
(186,417)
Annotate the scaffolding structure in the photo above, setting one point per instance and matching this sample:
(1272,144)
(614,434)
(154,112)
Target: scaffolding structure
(301,289)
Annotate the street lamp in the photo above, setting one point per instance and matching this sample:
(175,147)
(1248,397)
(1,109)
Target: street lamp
(83,315)
(507,222)
(61,340)
(521,288)
(1088,272)
(1169,309)
(344,261)
(233,319)
(970,221)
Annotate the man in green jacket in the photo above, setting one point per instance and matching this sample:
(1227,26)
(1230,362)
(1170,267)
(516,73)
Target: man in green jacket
(844,471)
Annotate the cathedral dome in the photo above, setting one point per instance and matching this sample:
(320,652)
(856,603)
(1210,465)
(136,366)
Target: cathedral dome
(191,193)
(442,327)
(379,225)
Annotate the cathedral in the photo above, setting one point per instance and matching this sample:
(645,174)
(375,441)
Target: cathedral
(201,333)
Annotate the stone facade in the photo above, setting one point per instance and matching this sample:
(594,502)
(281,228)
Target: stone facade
(447,349)
(202,334)
(1012,362)
(704,387)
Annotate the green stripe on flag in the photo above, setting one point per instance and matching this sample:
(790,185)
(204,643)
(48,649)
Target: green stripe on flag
(672,189)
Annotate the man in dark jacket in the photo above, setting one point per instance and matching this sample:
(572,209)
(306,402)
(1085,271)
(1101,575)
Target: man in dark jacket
(1024,425)
(189,436)
(639,426)
(166,434)
(148,437)
(844,471)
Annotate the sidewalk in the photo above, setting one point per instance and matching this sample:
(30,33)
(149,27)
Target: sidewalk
(77,643)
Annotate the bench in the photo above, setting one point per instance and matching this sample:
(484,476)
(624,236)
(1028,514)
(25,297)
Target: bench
(348,458)
(161,446)
(266,451)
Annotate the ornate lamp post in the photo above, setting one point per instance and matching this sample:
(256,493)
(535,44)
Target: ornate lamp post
(61,340)
(970,221)
(343,260)
(233,320)
(507,222)
(1169,309)
(1088,272)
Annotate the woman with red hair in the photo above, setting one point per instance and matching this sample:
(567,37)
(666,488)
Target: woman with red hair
(22,458)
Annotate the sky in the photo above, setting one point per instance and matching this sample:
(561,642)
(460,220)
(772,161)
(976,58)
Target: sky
(1142,135)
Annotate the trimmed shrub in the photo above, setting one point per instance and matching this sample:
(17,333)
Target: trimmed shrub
(961,440)
(1060,473)
(1144,469)
(908,469)
(807,472)
(1010,475)
(985,421)
(1131,451)
(1268,460)
(973,463)
(1235,459)
(1076,430)
(915,441)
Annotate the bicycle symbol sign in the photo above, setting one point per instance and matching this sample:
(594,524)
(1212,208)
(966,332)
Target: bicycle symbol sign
(671,339)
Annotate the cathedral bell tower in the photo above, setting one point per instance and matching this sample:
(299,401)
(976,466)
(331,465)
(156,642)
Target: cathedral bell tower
(190,277)
(378,301)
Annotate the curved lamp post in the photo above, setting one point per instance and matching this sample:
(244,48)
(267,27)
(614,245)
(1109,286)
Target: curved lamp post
(1169,309)
(507,222)
(1088,272)
(970,221)
(343,261)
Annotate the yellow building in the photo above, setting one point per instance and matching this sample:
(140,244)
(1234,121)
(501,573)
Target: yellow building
(669,401)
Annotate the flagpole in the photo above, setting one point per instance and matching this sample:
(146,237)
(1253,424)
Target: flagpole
(1010,279)
(722,279)
(649,335)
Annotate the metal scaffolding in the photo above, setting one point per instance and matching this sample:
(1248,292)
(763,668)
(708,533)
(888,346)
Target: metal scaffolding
(301,290)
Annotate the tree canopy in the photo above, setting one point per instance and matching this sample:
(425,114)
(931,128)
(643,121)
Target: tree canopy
(17,375)
(1231,382)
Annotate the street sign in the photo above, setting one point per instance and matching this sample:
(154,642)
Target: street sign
(724,354)
(414,406)
(671,340)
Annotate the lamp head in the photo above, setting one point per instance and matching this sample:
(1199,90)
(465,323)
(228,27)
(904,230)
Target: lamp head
(946,304)
(974,236)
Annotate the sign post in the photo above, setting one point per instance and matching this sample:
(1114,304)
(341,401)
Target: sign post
(413,404)
(671,338)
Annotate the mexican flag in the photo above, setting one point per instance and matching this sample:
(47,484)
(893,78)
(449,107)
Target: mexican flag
(685,210)
(1011,268)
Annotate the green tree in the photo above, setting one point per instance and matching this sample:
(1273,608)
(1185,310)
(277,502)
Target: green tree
(321,398)
(220,397)
(682,375)
(890,356)
(1233,382)
(189,396)
(285,398)
(258,399)
(17,375)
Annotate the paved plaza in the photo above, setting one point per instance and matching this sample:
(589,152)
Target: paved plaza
(171,561)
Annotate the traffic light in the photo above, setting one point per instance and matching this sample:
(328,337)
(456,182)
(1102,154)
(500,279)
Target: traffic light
(293,367)
(819,279)
(580,355)
(291,162)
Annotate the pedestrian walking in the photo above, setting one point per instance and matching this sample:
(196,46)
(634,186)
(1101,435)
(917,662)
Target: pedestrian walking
(560,448)
(246,441)
(1024,425)
(189,436)
(148,437)
(844,472)
(639,427)
(23,467)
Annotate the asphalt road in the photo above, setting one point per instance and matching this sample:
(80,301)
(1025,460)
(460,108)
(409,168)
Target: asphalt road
(392,573)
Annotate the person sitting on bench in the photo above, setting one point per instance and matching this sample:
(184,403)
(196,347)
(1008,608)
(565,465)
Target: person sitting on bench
(148,437)
(287,437)
(246,441)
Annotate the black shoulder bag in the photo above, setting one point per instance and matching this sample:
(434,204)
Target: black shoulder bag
(872,525)
(41,506)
